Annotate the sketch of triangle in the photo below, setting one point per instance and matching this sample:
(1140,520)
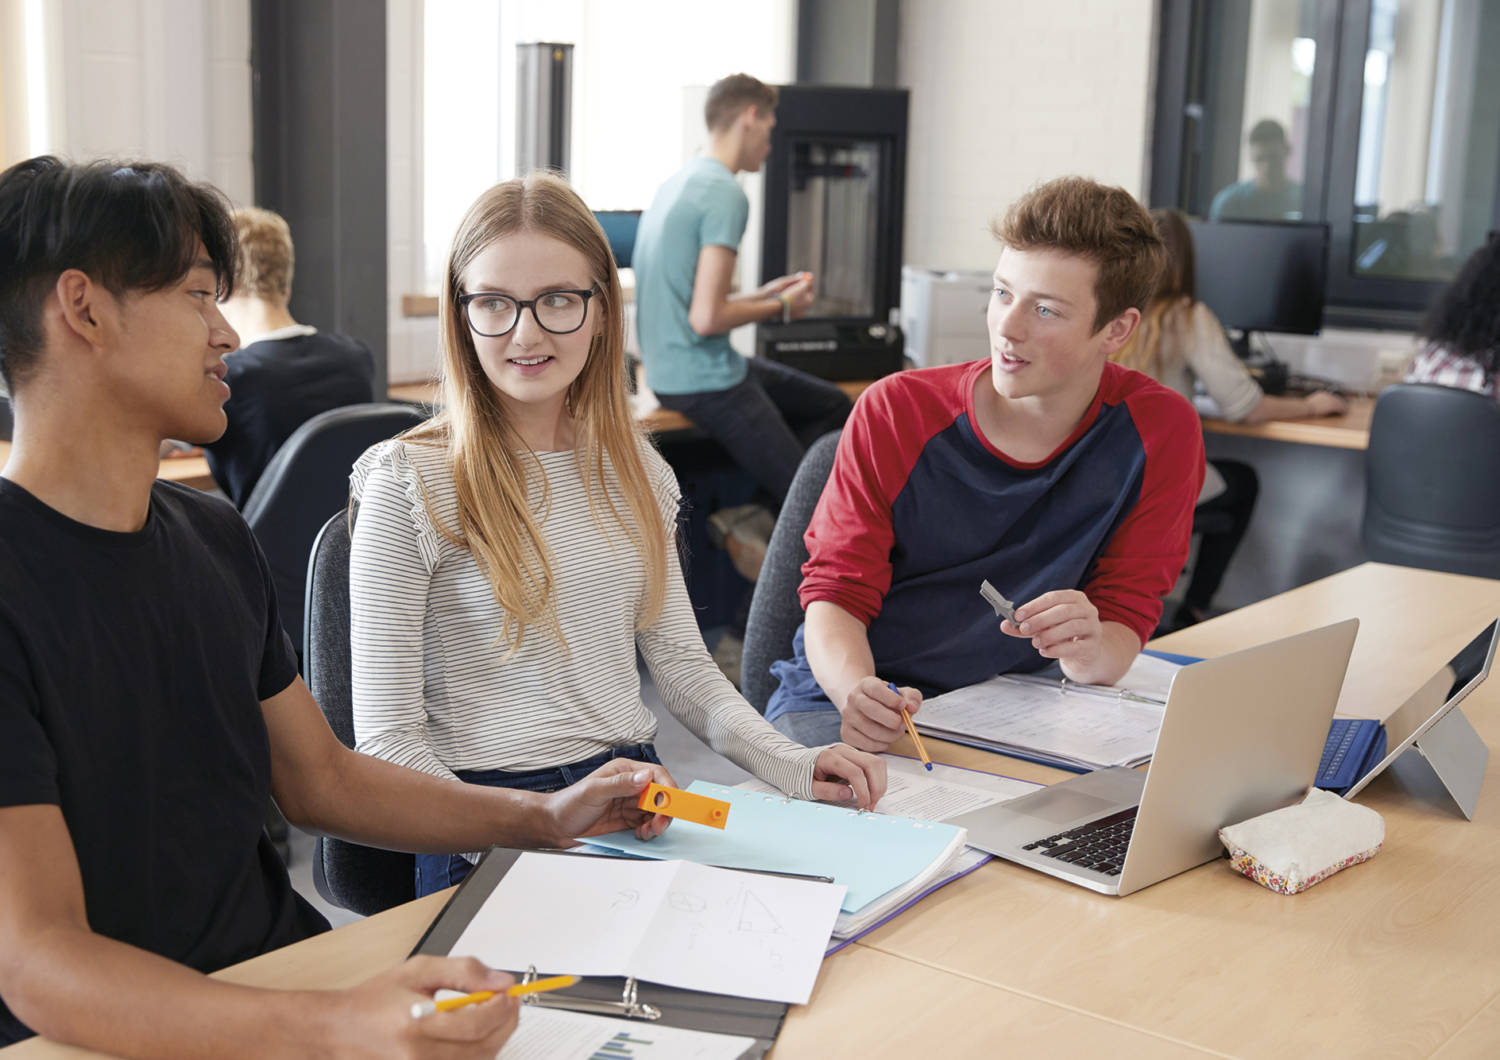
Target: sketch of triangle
(756,917)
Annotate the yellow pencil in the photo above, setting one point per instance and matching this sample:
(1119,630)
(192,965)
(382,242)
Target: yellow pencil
(911,728)
(536,986)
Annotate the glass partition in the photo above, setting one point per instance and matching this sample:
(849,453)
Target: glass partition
(1429,138)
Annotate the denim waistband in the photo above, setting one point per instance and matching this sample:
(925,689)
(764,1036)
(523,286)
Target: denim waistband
(554,777)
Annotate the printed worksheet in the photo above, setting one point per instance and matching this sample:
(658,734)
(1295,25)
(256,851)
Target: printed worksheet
(1079,727)
(946,791)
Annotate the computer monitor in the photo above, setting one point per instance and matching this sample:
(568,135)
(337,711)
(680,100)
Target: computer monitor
(620,229)
(1262,276)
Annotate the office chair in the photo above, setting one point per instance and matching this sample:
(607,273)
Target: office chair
(7,422)
(775,612)
(1432,480)
(306,482)
(364,879)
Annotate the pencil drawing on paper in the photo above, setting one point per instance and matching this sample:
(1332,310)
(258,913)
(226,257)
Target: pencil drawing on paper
(686,903)
(756,917)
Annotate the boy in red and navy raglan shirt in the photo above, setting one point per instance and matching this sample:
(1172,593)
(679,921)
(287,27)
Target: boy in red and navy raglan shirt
(1064,480)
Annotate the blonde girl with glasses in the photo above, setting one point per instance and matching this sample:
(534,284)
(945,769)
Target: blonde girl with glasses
(511,555)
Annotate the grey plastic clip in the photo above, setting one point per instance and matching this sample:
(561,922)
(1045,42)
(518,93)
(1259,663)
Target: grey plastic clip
(1003,607)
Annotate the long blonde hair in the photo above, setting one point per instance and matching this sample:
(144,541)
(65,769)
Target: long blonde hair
(493,468)
(1172,303)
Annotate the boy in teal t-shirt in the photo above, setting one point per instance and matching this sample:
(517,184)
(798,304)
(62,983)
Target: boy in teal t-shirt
(764,413)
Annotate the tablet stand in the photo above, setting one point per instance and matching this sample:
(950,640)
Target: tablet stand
(1457,757)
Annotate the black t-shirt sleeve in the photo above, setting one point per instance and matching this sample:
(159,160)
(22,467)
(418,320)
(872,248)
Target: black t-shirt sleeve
(29,775)
(278,660)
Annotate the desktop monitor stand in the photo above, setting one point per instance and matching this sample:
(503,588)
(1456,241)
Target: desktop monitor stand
(1453,753)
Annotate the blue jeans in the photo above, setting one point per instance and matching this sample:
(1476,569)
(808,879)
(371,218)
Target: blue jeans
(438,871)
(767,420)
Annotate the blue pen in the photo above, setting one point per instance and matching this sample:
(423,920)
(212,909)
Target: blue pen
(912,729)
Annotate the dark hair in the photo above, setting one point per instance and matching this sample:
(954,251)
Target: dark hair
(1465,319)
(1105,225)
(131,226)
(1268,131)
(729,96)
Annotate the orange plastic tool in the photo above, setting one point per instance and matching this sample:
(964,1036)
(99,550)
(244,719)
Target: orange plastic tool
(674,802)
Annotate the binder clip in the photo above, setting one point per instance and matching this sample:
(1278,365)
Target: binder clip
(674,802)
(1003,607)
(628,1006)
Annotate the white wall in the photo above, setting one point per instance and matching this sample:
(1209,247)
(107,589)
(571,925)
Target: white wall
(1008,93)
(411,342)
(165,80)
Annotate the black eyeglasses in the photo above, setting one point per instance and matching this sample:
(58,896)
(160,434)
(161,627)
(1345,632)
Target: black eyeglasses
(561,312)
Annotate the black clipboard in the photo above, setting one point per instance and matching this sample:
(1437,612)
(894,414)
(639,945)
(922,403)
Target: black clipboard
(611,995)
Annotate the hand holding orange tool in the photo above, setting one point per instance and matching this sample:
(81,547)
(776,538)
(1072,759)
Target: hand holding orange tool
(674,802)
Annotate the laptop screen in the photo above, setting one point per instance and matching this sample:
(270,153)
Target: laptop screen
(1425,707)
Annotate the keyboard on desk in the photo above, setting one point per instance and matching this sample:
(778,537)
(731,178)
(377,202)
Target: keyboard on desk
(1353,746)
(1099,845)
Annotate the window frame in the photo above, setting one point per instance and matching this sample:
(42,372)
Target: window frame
(1184,93)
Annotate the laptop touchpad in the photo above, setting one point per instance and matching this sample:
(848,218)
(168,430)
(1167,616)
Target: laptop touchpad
(1061,806)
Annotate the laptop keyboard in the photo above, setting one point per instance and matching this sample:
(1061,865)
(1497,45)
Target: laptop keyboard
(1099,845)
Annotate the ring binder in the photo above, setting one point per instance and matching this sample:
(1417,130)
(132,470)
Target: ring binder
(651,1002)
(629,1005)
(1067,686)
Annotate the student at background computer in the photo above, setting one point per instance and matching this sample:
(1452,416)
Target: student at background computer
(764,413)
(149,700)
(512,554)
(285,373)
(1462,328)
(1064,480)
(1181,343)
(1270,195)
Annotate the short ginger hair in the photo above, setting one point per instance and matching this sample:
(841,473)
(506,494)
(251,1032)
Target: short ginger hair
(1103,224)
(266,257)
(729,96)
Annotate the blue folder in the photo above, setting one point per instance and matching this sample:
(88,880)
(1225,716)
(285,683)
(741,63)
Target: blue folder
(869,853)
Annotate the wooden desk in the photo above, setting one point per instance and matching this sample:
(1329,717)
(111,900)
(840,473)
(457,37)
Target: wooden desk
(657,420)
(663,421)
(1395,957)
(1349,431)
(189,470)
(422,393)
(970,1016)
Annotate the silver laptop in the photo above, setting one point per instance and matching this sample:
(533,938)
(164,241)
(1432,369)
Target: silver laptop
(1240,735)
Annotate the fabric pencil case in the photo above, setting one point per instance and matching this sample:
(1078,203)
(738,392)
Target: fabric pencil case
(1290,849)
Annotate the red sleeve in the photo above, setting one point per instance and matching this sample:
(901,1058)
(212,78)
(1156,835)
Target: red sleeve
(1144,557)
(850,535)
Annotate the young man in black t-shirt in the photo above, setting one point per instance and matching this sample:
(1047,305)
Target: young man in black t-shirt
(149,700)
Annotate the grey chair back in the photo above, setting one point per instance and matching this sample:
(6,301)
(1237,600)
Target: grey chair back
(775,611)
(7,422)
(364,879)
(306,482)
(1432,480)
